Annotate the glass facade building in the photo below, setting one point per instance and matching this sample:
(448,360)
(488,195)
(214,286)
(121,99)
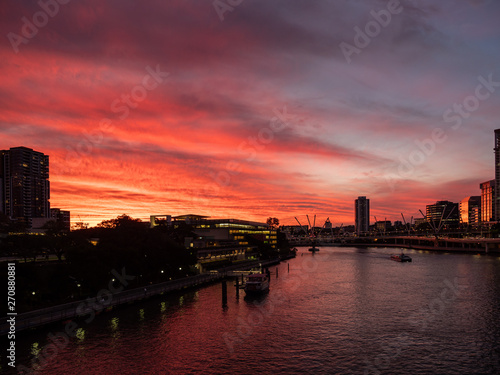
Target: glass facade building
(488,192)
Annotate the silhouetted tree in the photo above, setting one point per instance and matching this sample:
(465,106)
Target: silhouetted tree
(123,221)
(56,237)
(273,222)
(80,225)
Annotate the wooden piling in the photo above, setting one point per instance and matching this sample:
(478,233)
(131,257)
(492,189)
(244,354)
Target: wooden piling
(237,287)
(224,293)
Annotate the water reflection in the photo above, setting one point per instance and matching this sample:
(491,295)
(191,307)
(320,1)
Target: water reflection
(337,311)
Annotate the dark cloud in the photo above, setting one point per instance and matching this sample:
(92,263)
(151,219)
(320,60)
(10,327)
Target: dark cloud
(349,124)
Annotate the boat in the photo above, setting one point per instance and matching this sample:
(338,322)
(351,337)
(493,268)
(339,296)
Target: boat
(257,283)
(313,249)
(401,257)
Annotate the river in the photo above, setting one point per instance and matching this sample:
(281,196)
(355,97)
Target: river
(339,311)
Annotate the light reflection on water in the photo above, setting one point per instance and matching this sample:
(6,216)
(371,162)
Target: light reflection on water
(342,310)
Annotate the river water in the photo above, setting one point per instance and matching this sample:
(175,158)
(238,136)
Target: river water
(339,311)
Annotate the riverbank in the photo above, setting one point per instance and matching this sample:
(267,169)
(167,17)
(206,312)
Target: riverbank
(107,300)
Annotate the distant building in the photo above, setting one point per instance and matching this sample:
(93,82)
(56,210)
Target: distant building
(219,239)
(442,213)
(155,220)
(294,230)
(38,224)
(328,224)
(496,196)
(362,215)
(383,225)
(24,181)
(61,216)
(348,229)
(466,209)
(419,221)
(488,192)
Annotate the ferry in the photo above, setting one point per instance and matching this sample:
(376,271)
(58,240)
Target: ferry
(257,283)
(401,257)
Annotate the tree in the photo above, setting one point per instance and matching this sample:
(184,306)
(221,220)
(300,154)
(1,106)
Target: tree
(80,225)
(273,222)
(56,237)
(122,221)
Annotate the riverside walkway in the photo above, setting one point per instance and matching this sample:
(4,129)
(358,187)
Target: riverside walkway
(93,305)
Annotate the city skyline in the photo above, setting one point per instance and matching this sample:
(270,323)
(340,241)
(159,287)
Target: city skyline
(256,111)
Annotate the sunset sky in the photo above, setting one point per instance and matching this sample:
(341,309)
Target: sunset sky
(261,108)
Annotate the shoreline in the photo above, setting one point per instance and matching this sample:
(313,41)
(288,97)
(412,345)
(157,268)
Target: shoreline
(79,309)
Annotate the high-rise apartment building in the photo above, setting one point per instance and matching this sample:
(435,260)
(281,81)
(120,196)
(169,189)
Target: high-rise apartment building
(362,215)
(24,181)
(496,196)
(488,194)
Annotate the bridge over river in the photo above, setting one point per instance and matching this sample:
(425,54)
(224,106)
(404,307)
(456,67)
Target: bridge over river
(476,245)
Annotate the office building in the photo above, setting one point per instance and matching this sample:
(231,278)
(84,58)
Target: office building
(488,192)
(362,215)
(442,214)
(24,180)
(220,239)
(466,208)
(475,217)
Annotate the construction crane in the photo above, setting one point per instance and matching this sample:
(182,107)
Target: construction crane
(310,233)
(431,223)
(406,225)
(323,227)
(306,232)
